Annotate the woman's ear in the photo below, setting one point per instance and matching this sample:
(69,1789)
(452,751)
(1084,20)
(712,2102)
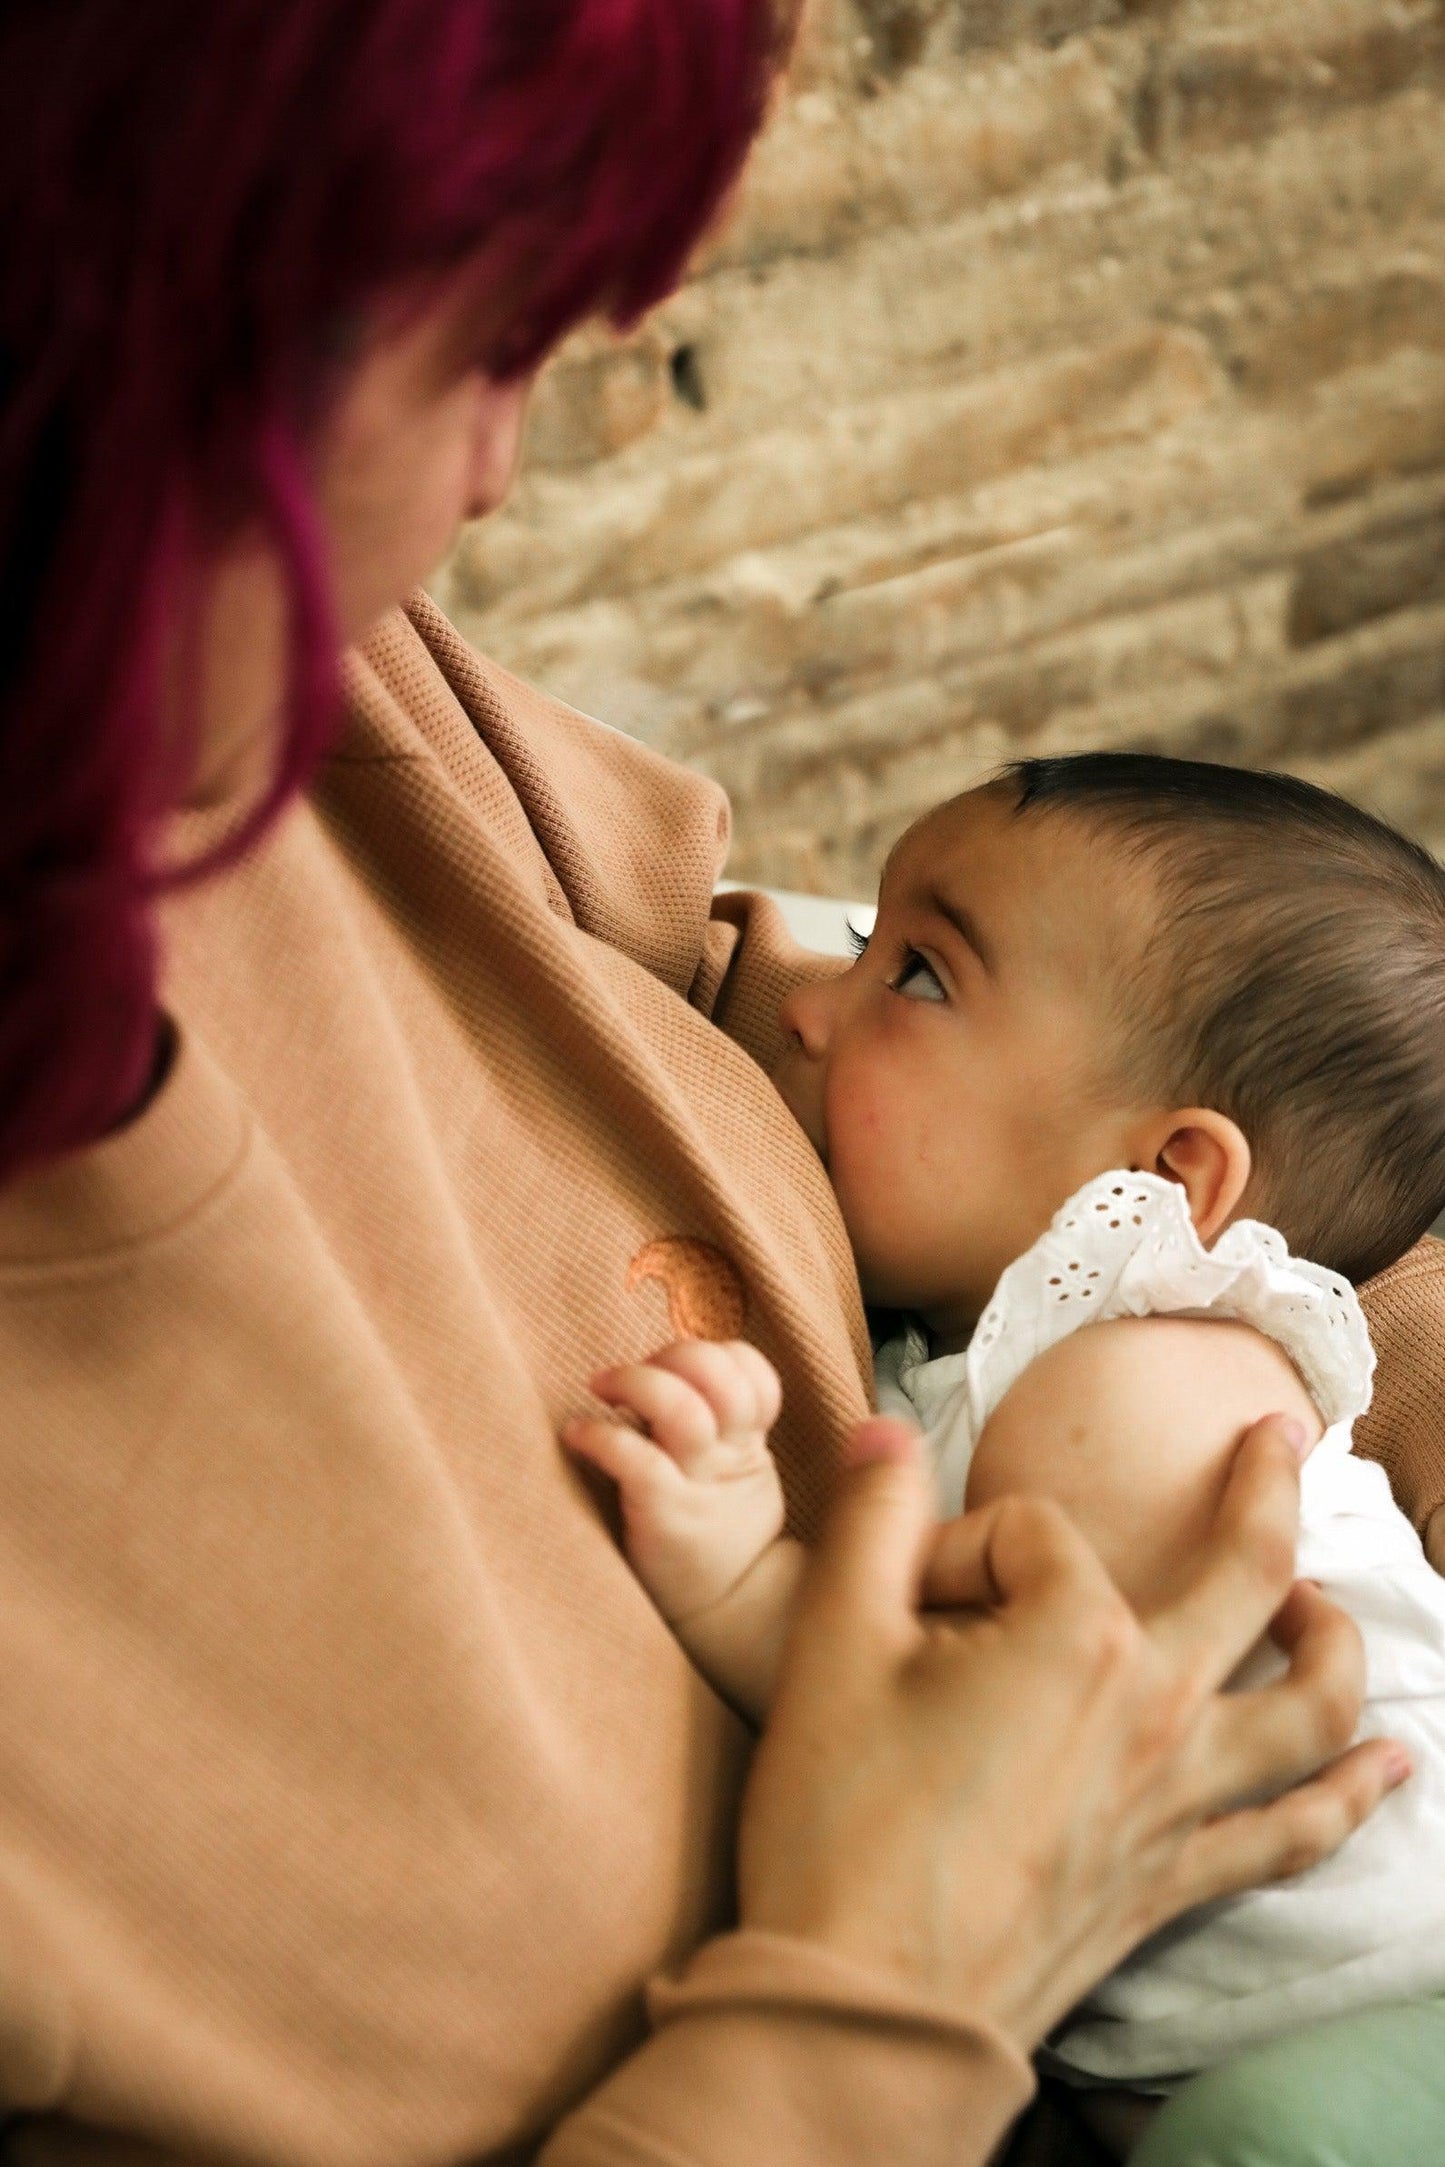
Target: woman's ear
(1208,1155)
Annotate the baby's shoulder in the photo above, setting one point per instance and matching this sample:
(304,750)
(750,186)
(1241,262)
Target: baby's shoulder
(1132,1427)
(1133,1358)
(1131,1387)
(1124,1249)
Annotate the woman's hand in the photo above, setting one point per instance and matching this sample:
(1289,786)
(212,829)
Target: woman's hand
(997,1807)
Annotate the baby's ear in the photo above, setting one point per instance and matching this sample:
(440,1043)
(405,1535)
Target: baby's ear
(1209,1156)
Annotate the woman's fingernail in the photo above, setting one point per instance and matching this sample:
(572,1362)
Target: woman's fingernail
(1296,1436)
(1398,1767)
(867,1451)
(875,1440)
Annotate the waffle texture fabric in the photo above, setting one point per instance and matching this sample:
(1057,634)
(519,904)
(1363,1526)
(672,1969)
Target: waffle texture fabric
(1405,1426)
(1368,1925)
(355,1797)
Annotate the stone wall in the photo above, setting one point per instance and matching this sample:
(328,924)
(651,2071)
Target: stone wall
(1071,372)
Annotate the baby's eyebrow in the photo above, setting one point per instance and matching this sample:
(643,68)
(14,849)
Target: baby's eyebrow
(965,926)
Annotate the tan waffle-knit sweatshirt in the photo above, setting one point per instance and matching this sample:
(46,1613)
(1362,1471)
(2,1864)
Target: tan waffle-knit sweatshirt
(351,1791)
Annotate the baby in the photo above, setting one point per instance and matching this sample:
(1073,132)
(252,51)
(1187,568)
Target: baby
(1131,1041)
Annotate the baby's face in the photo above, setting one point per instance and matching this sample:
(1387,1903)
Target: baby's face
(956,1080)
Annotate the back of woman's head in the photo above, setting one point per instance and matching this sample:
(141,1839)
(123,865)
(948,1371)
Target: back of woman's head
(201,205)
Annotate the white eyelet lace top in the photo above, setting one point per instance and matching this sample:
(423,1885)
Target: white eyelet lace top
(1125,1246)
(1368,1925)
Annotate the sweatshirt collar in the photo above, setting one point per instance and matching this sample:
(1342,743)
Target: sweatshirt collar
(136,1185)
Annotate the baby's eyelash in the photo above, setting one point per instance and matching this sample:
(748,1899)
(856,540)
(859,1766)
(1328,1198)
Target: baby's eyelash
(857,941)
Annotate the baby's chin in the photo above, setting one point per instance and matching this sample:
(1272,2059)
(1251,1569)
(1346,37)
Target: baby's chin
(948,1313)
(902,1296)
(801,1112)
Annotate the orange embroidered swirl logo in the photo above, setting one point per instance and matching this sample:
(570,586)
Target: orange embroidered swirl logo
(706,1298)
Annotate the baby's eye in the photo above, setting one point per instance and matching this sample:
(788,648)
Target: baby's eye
(918,981)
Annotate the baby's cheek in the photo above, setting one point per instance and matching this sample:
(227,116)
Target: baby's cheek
(863,1133)
(863,1168)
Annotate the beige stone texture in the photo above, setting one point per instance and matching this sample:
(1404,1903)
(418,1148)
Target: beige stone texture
(1068,373)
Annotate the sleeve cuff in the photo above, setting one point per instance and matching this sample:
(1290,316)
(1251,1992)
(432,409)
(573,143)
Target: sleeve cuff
(774,2048)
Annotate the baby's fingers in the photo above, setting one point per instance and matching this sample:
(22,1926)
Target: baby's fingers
(677,1416)
(632,1460)
(737,1381)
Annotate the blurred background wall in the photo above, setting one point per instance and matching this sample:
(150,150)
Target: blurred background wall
(1070,373)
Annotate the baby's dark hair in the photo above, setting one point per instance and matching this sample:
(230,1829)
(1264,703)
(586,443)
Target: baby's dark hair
(1295,981)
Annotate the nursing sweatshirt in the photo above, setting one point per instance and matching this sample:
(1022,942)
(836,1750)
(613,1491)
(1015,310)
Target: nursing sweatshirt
(355,1804)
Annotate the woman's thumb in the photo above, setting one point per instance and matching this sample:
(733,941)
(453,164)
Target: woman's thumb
(862,1584)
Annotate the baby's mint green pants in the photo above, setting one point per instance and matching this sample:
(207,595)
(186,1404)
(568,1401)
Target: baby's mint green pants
(1363,2091)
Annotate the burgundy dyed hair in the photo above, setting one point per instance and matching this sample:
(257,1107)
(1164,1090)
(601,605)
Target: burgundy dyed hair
(201,203)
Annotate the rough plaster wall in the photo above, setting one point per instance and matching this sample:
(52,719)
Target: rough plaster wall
(1071,373)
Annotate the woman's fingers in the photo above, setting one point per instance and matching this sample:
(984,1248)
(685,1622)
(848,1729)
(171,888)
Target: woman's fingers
(1274,1735)
(1274,1842)
(957,1568)
(1245,1566)
(1019,1551)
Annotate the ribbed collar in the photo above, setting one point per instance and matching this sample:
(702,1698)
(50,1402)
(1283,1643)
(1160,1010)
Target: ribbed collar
(132,1186)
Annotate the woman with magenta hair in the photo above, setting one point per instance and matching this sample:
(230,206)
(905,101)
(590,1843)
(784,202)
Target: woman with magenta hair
(374,1064)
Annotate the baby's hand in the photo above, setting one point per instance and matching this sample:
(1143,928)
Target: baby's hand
(701,1499)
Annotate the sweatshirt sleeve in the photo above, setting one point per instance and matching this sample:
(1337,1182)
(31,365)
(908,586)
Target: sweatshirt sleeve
(763,2049)
(1405,1427)
(768,2048)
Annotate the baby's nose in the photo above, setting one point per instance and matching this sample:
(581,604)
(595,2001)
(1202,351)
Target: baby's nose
(805,1016)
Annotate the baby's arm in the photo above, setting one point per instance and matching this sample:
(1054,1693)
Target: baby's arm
(702,1505)
(1434,1538)
(1131,1426)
